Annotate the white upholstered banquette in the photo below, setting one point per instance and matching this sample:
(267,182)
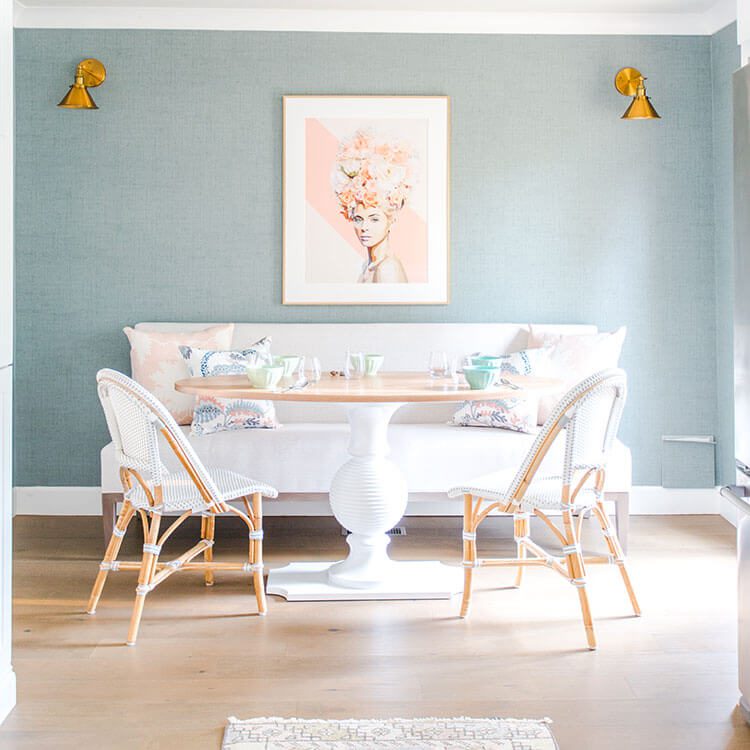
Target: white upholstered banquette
(300,458)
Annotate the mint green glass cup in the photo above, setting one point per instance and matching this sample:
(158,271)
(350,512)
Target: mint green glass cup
(373,363)
(479,377)
(289,362)
(265,376)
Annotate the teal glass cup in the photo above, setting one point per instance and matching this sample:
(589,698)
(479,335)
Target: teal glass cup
(479,377)
(487,360)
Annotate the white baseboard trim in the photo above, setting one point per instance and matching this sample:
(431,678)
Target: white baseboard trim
(86,501)
(57,501)
(7,693)
(669,501)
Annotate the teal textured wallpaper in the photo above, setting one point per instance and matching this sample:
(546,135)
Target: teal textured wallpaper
(165,204)
(725,59)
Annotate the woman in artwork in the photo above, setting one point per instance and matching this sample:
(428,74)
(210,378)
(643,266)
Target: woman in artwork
(372,179)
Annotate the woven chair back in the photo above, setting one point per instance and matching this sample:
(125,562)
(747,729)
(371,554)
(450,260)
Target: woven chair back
(135,419)
(589,414)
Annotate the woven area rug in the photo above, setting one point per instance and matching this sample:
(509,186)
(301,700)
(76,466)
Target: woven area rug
(388,734)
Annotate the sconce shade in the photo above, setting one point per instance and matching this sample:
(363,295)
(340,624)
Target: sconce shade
(78,97)
(89,73)
(630,82)
(641,109)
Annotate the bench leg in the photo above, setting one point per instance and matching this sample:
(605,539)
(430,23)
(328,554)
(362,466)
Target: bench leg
(109,513)
(622,515)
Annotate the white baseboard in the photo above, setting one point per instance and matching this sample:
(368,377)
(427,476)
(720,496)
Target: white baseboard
(668,501)
(86,501)
(57,501)
(7,693)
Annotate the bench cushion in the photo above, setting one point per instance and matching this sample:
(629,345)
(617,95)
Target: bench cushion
(303,457)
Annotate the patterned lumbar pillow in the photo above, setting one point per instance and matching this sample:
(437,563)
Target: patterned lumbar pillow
(518,413)
(213,413)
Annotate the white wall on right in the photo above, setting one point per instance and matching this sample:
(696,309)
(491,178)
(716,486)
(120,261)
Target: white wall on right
(743,29)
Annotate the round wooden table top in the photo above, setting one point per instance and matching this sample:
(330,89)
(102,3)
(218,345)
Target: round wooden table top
(386,387)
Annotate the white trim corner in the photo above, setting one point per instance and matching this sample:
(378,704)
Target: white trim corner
(7,692)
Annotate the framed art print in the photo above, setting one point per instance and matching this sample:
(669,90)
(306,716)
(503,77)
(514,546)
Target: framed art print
(366,200)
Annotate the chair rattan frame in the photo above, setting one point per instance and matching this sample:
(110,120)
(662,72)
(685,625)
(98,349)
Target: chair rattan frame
(571,565)
(148,475)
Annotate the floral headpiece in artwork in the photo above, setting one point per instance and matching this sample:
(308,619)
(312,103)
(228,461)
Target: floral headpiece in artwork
(373,173)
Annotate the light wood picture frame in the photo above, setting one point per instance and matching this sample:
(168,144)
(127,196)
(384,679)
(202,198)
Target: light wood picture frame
(366,200)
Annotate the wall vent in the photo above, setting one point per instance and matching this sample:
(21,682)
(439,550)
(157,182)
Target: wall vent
(395,531)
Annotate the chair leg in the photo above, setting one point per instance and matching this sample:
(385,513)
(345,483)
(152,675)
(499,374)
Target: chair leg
(208,531)
(577,573)
(615,549)
(256,555)
(470,553)
(520,531)
(110,555)
(622,518)
(145,577)
(588,623)
(109,513)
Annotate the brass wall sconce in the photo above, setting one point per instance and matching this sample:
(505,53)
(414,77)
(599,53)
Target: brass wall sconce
(89,74)
(629,82)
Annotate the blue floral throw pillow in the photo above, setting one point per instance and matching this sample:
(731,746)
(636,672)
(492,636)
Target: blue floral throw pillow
(525,362)
(517,414)
(214,413)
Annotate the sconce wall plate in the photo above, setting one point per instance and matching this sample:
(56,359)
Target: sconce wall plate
(93,72)
(626,81)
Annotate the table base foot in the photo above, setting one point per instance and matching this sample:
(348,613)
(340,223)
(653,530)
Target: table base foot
(309,582)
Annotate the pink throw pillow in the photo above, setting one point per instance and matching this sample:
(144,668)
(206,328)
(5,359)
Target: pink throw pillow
(574,357)
(156,362)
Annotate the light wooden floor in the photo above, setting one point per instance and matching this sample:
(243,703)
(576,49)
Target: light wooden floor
(666,681)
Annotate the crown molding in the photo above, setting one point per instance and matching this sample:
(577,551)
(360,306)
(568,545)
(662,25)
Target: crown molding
(719,15)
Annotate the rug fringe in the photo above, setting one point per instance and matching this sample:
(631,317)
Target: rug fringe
(543,720)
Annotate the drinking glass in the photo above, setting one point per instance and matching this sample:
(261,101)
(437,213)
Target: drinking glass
(455,369)
(301,370)
(438,364)
(354,365)
(314,370)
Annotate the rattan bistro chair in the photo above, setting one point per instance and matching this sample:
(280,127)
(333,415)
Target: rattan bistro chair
(136,420)
(587,418)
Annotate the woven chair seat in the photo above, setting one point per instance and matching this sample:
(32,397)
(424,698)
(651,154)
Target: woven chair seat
(543,492)
(180,493)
